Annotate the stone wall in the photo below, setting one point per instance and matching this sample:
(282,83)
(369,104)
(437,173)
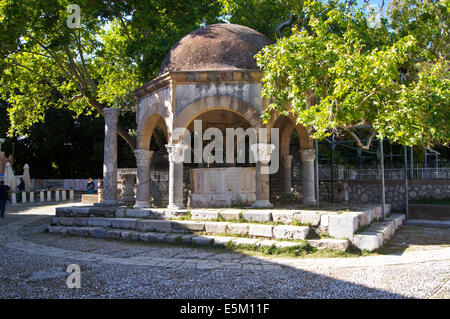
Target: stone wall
(370,191)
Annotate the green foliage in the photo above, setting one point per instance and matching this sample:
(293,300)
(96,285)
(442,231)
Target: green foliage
(45,64)
(261,15)
(335,72)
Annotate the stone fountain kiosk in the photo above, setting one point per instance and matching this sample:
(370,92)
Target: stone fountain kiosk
(209,75)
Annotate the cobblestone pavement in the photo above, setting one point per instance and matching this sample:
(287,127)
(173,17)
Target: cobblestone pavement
(33,265)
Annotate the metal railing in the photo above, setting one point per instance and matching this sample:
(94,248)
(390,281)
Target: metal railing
(391,172)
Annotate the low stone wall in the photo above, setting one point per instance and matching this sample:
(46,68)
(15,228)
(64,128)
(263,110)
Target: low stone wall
(370,191)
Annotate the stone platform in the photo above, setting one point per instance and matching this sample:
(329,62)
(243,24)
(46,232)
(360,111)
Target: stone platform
(360,225)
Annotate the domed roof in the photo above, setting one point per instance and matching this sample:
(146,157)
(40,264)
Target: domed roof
(215,47)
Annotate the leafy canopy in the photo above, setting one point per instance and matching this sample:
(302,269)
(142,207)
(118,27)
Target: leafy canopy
(335,71)
(45,64)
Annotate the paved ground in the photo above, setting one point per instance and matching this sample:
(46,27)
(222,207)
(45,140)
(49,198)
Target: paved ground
(33,265)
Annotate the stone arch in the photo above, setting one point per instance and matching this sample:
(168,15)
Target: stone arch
(217,102)
(155,116)
(287,124)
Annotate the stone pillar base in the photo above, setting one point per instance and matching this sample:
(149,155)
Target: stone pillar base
(176,206)
(309,201)
(142,204)
(262,204)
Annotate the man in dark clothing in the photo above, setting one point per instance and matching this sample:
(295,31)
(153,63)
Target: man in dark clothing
(21,186)
(4,191)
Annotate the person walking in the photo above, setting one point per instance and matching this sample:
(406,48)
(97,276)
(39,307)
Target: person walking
(4,194)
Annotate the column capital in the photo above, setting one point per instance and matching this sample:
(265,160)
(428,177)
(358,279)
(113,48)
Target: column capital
(111,113)
(262,152)
(176,152)
(143,157)
(308,155)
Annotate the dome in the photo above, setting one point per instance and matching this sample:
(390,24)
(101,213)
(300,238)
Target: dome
(215,47)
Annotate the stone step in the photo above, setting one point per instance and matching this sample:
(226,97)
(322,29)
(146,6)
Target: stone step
(188,226)
(157,237)
(337,224)
(378,233)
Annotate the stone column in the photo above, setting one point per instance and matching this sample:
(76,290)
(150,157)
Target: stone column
(128,182)
(24,197)
(143,159)
(31,197)
(261,153)
(63,194)
(71,194)
(49,196)
(57,195)
(41,196)
(13,198)
(309,196)
(285,174)
(111,116)
(176,158)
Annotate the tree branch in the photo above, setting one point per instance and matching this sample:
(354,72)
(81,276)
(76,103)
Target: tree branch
(120,131)
(285,24)
(358,141)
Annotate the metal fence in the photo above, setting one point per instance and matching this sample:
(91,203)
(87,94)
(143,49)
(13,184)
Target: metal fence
(439,170)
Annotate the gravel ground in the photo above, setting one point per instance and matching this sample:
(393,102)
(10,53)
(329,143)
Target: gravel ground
(25,274)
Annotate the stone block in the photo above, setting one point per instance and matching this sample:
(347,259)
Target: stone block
(324,220)
(113,234)
(387,229)
(204,214)
(171,213)
(130,235)
(202,241)
(137,213)
(99,233)
(308,217)
(230,214)
(63,221)
(188,225)
(246,241)
(290,232)
(80,211)
(222,240)
(102,211)
(216,227)
(286,244)
(100,222)
(55,229)
(266,243)
(368,240)
(257,216)
(260,230)
(124,223)
(172,238)
(285,217)
(329,243)
(121,212)
(89,199)
(187,238)
(397,218)
(342,225)
(237,228)
(84,231)
(152,237)
(80,221)
(163,226)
